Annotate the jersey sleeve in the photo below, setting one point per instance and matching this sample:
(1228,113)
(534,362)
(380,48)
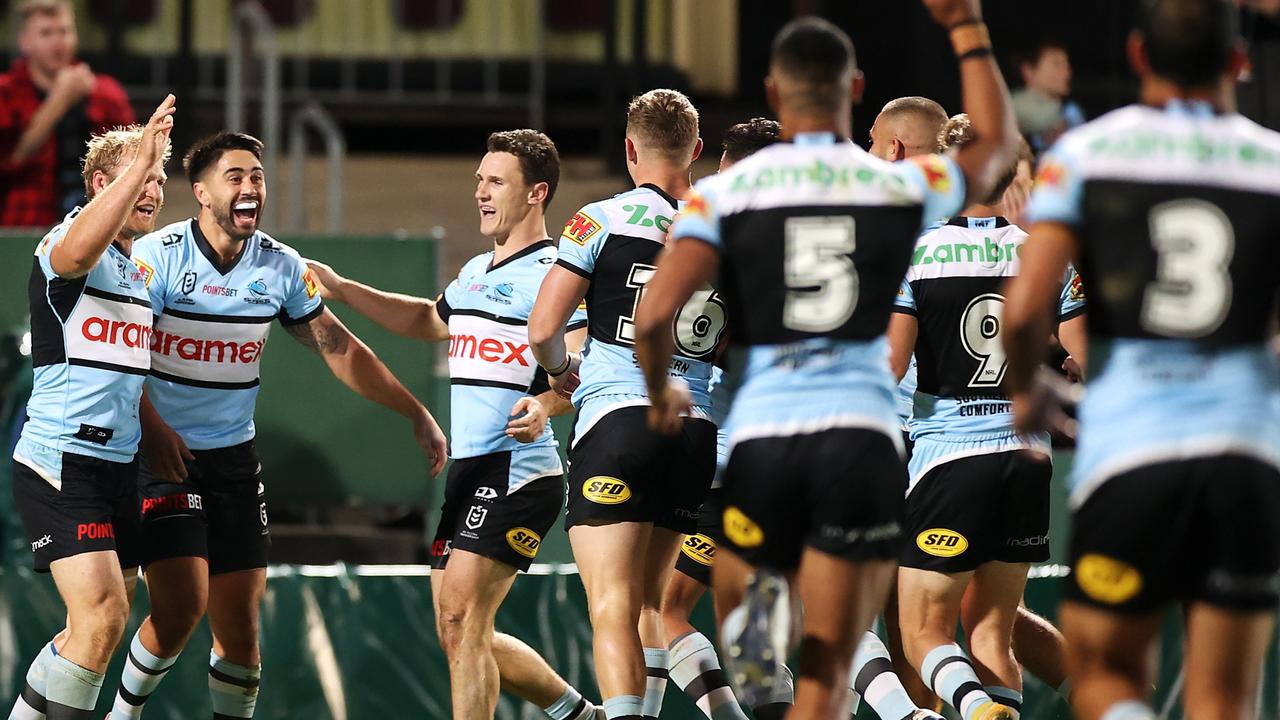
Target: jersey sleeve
(302,301)
(941,183)
(905,302)
(148,260)
(1071,304)
(1058,191)
(700,216)
(581,240)
(45,248)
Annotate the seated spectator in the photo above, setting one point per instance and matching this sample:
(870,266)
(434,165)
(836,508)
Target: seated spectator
(1043,109)
(49,106)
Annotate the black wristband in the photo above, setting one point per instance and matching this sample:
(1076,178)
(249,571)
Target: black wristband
(980,52)
(568,362)
(963,23)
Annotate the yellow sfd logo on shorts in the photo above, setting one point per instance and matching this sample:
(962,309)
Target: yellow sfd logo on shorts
(524,541)
(606,490)
(742,530)
(700,549)
(941,542)
(1106,579)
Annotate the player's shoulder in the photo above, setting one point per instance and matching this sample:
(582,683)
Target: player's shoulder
(587,224)
(1251,133)
(273,252)
(166,238)
(1084,141)
(476,265)
(56,232)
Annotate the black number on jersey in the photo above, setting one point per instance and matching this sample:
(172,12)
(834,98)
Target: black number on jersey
(698,326)
(1194,243)
(822,282)
(980,336)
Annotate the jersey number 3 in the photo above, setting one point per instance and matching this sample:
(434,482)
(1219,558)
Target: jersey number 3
(1194,244)
(698,325)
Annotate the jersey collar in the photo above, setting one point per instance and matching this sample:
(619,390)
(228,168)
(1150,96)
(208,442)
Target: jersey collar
(1189,108)
(979,223)
(545,243)
(815,138)
(209,254)
(670,200)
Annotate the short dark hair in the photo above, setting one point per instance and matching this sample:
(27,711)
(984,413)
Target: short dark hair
(817,54)
(206,151)
(1189,42)
(744,139)
(539,159)
(1033,54)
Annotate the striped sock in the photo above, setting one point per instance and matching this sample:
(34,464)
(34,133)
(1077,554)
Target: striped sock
(696,670)
(655,686)
(781,697)
(71,691)
(142,674)
(947,670)
(875,681)
(624,707)
(31,704)
(570,706)
(233,688)
(1128,710)
(1008,697)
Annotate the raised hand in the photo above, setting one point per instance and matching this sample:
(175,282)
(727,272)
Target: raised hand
(155,136)
(949,12)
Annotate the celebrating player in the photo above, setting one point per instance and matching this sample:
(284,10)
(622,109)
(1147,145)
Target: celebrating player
(74,472)
(1170,206)
(216,283)
(506,485)
(632,492)
(811,237)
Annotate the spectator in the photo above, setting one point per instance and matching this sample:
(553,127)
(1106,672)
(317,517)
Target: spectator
(49,106)
(1043,109)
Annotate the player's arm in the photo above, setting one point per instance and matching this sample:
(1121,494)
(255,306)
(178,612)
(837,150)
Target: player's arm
(561,293)
(1074,338)
(530,413)
(903,329)
(1031,303)
(405,315)
(352,362)
(988,156)
(688,266)
(98,224)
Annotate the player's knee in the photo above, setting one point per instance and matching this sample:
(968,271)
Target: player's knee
(989,642)
(174,623)
(458,624)
(102,621)
(614,607)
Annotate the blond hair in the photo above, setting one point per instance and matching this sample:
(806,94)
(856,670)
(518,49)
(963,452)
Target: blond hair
(111,151)
(28,9)
(958,132)
(664,121)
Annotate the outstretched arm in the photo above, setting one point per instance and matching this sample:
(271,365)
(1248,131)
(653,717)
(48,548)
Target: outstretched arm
(352,362)
(405,315)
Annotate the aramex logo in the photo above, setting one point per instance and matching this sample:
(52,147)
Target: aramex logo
(218,351)
(116,332)
(487,349)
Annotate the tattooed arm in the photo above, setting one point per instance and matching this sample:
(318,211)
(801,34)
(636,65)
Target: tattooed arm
(352,362)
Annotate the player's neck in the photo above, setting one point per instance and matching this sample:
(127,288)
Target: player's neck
(978,210)
(800,123)
(531,230)
(673,180)
(125,244)
(1158,92)
(226,247)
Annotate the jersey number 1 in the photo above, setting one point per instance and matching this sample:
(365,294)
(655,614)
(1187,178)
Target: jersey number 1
(698,325)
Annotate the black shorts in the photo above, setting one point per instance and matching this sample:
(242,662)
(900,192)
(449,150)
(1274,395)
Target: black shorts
(979,509)
(621,471)
(698,551)
(839,491)
(96,509)
(1201,530)
(219,512)
(480,516)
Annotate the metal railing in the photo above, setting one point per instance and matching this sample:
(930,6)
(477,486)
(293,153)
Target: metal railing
(252,18)
(313,115)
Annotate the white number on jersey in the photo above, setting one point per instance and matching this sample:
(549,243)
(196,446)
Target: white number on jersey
(980,335)
(1194,243)
(698,325)
(822,283)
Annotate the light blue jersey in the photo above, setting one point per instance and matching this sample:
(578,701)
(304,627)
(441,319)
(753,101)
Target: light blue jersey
(89,349)
(1173,210)
(490,364)
(815,237)
(211,327)
(615,244)
(721,401)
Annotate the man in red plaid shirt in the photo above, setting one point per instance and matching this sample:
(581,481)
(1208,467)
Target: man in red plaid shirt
(49,106)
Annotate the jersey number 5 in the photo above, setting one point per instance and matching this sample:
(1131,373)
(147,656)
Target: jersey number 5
(822,282)
(698,325)
(1194,244)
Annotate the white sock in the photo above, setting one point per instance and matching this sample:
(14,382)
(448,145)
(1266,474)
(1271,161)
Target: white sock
(947,670)
(570,706)
(874,680)
(1129,710)
(696,670)
(655,686)
(142,674)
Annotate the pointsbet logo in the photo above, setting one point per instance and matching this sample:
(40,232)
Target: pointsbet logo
(606,490)
(699,548)
(941,542)
(1106,579)
(524,541)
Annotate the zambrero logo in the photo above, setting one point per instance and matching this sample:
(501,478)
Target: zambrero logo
(116,332)
(524,541)
(1106,579)
(218,351)
(742,530)
(941,542)
(606,490)
(699,548)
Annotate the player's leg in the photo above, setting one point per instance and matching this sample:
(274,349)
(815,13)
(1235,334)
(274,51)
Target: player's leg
(473,588)
(235,665)
(1040,648)
(988,616)
(1223,667)
(875,682)
(659,563)
(525,674)
(921,694)
(1111,661)
(695,667)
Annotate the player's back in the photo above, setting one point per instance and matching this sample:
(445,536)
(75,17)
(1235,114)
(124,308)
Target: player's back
(816,236)
(1176,211)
